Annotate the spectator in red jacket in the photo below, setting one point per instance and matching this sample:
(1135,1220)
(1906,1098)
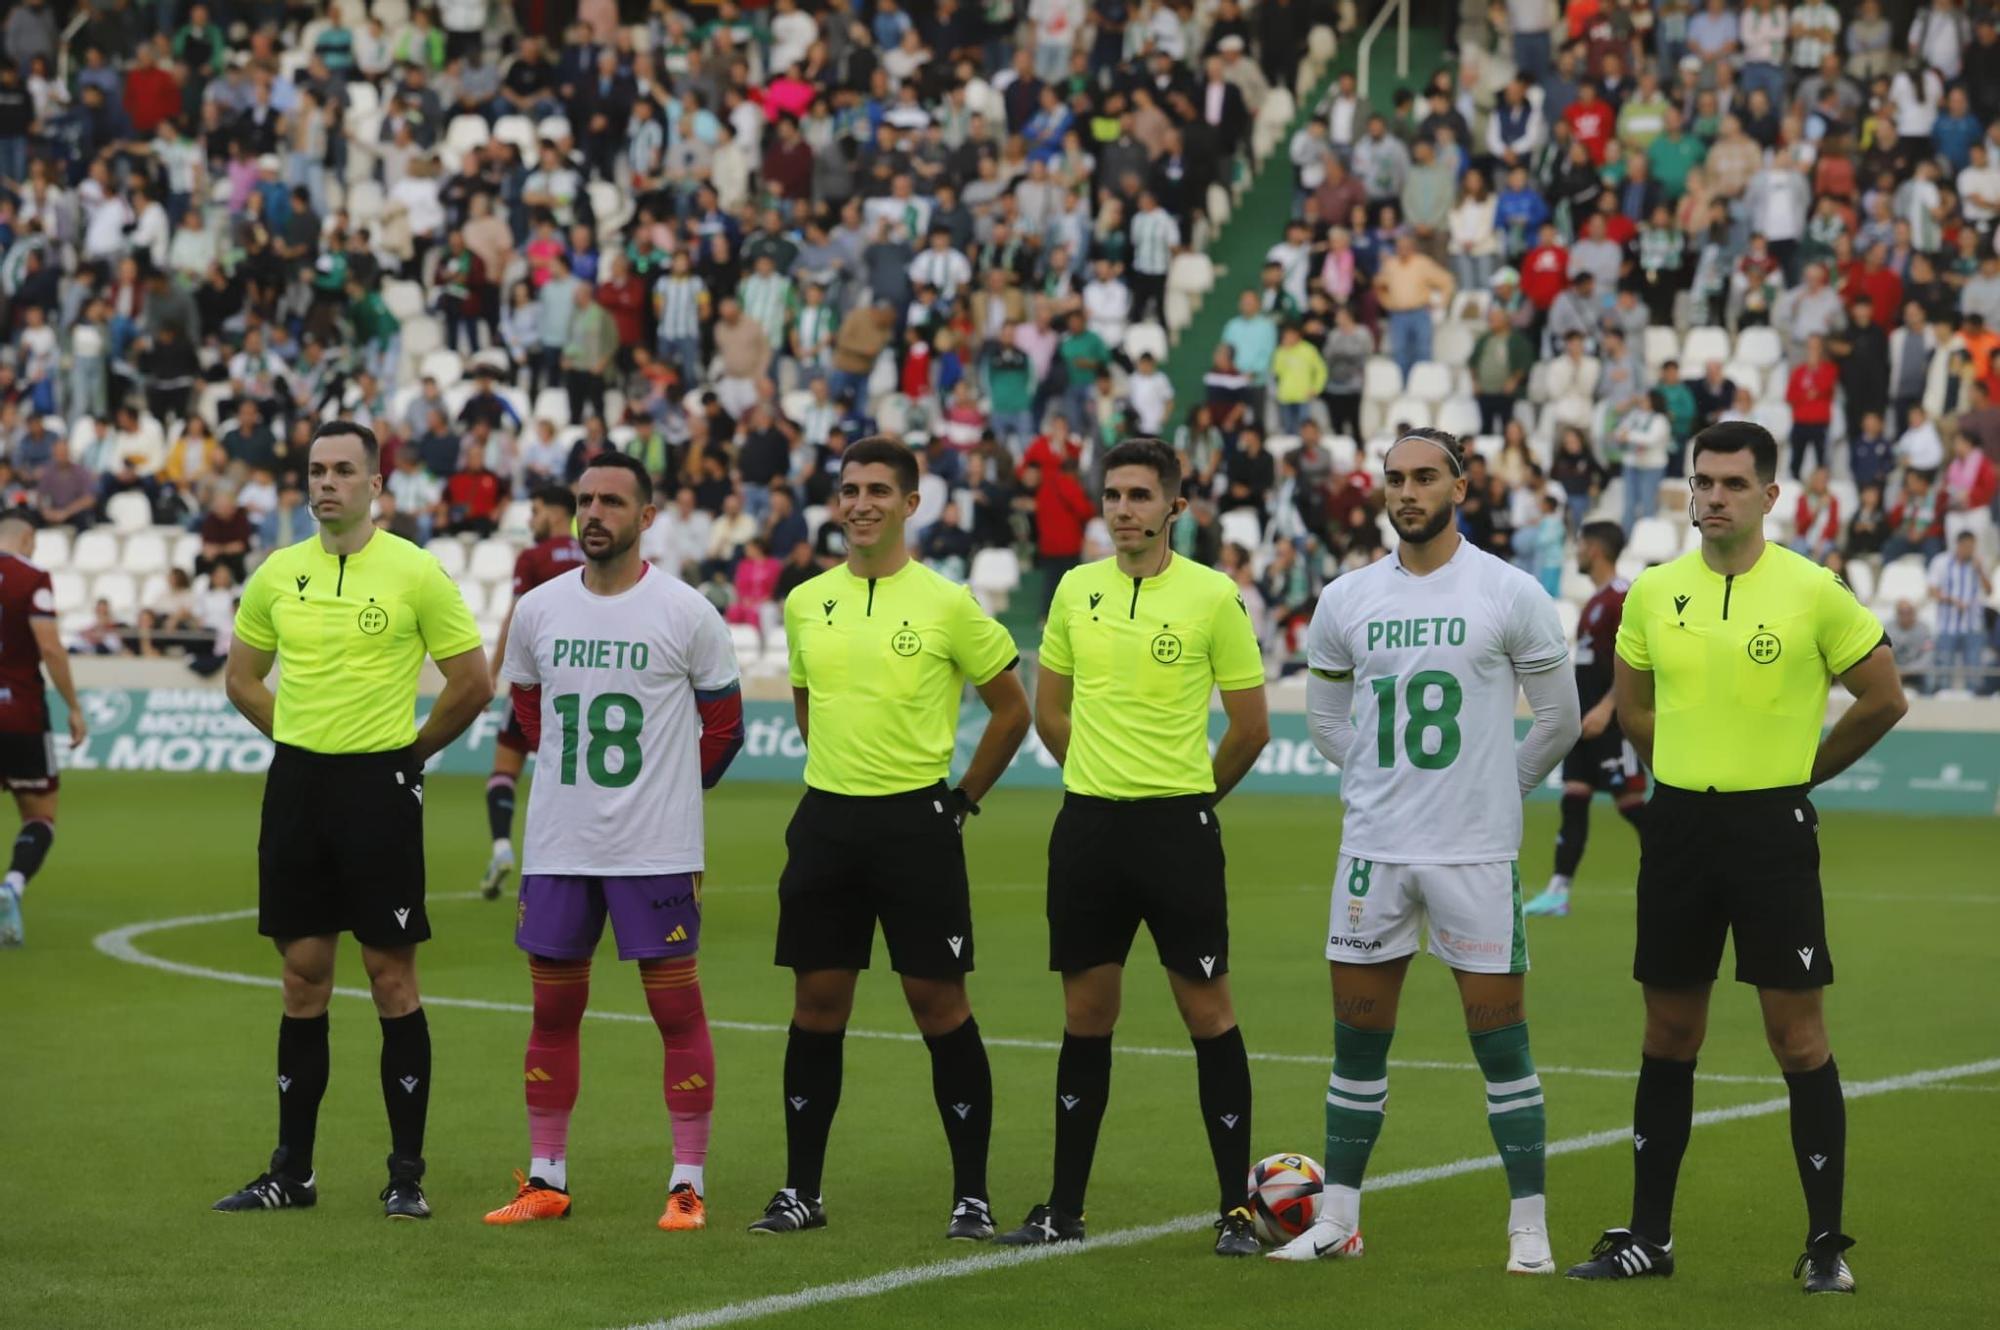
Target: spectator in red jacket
(1545,270)
(623,296)
(1879,283)
(1591,119)
(152,97)
(1817,518)
(1062,511)
(1810,395)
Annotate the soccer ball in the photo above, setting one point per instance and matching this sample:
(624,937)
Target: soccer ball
(1285,1196)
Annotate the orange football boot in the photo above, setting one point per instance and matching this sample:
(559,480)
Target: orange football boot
(533,1201)
(684,1210)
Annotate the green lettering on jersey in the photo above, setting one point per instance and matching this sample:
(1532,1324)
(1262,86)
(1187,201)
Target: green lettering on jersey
(601,654)
(562,647)
(1391,634)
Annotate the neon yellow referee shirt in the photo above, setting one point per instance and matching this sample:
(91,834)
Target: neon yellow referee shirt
(1144,654)
(883,661)
(1741,665)
(351,632)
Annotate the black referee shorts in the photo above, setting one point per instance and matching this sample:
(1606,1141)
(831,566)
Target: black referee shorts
(1745,863)
(1117,863)
(853,859)
(341,848)
(1605,763)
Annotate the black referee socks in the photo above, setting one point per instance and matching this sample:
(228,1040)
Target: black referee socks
(302,1075)
(1662,1118)
(1083,1086)
(1819,1139)
(1222,1066)
(31,846)
(406,1081)
(1573,834)
(962,1082)
(812,1093)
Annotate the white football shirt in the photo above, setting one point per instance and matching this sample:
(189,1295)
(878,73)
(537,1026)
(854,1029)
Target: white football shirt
(617,789)
(1436,662)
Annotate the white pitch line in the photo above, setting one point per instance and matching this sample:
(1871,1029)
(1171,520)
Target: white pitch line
(119,945)
(891,1280)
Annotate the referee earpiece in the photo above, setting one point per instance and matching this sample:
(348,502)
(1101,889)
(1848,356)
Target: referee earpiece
(1180,506)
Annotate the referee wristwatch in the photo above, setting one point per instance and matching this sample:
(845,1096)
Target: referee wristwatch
(966,806)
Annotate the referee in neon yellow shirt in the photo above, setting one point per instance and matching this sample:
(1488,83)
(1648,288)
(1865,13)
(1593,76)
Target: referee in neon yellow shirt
(1135,646)
(1725,658)
(881,650)
(351,612)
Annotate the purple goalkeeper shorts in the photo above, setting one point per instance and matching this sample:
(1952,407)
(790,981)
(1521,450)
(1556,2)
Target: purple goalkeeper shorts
(654,918)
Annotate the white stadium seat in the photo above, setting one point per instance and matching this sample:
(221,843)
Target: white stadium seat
(749,646)
(96,552)
(187,548)
(450,552)
(120,590)
(994,576)
(475,597)
(1760,347)
(52,548)
(443,365)
(129,512)
(1654,540)
(1144,338)
(1410,412)
(1662,345)
(1381,378)
(1701,346)
(493,561)
(1429,381)
(404,299)
(145,554)
(70,591)
(1460,415)
(1241,527)
(1902,580)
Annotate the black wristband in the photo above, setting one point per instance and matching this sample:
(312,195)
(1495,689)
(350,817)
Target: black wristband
(965,803)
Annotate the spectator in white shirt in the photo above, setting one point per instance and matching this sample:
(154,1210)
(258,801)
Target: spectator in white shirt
(1151,394)
(1107,304)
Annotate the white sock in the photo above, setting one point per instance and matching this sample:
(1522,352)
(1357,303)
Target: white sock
(555,1172)
(16,883)
(503,848)
(1559,885)
(1342,1206)
(690,1174)
(1528,1212)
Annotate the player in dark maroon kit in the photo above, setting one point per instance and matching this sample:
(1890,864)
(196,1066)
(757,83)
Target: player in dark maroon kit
(28,641)
(551,515)
(1601,760)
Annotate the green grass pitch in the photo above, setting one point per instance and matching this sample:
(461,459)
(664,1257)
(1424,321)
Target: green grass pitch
(130,1098)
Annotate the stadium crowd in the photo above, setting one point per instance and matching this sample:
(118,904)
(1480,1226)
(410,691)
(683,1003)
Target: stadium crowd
(731,238)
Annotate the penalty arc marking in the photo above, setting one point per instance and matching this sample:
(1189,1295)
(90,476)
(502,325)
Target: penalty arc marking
(120,944)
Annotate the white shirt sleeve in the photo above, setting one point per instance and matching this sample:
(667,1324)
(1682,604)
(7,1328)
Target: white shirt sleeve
(520,666)
(1535,638)
(711,655)
(1329,683)
(1558,721)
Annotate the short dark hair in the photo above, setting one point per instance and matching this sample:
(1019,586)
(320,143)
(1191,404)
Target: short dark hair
(614,460)
(1445,439)
(557,496)
(1733,436)
(1147,453)
(1607,536)
(883,450)
(333,429)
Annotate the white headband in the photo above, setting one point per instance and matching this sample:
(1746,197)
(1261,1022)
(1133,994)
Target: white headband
(1457,467)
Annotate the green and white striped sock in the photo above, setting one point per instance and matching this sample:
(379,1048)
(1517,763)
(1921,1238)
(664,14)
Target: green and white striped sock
(1357,1093)
(1514,1110)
